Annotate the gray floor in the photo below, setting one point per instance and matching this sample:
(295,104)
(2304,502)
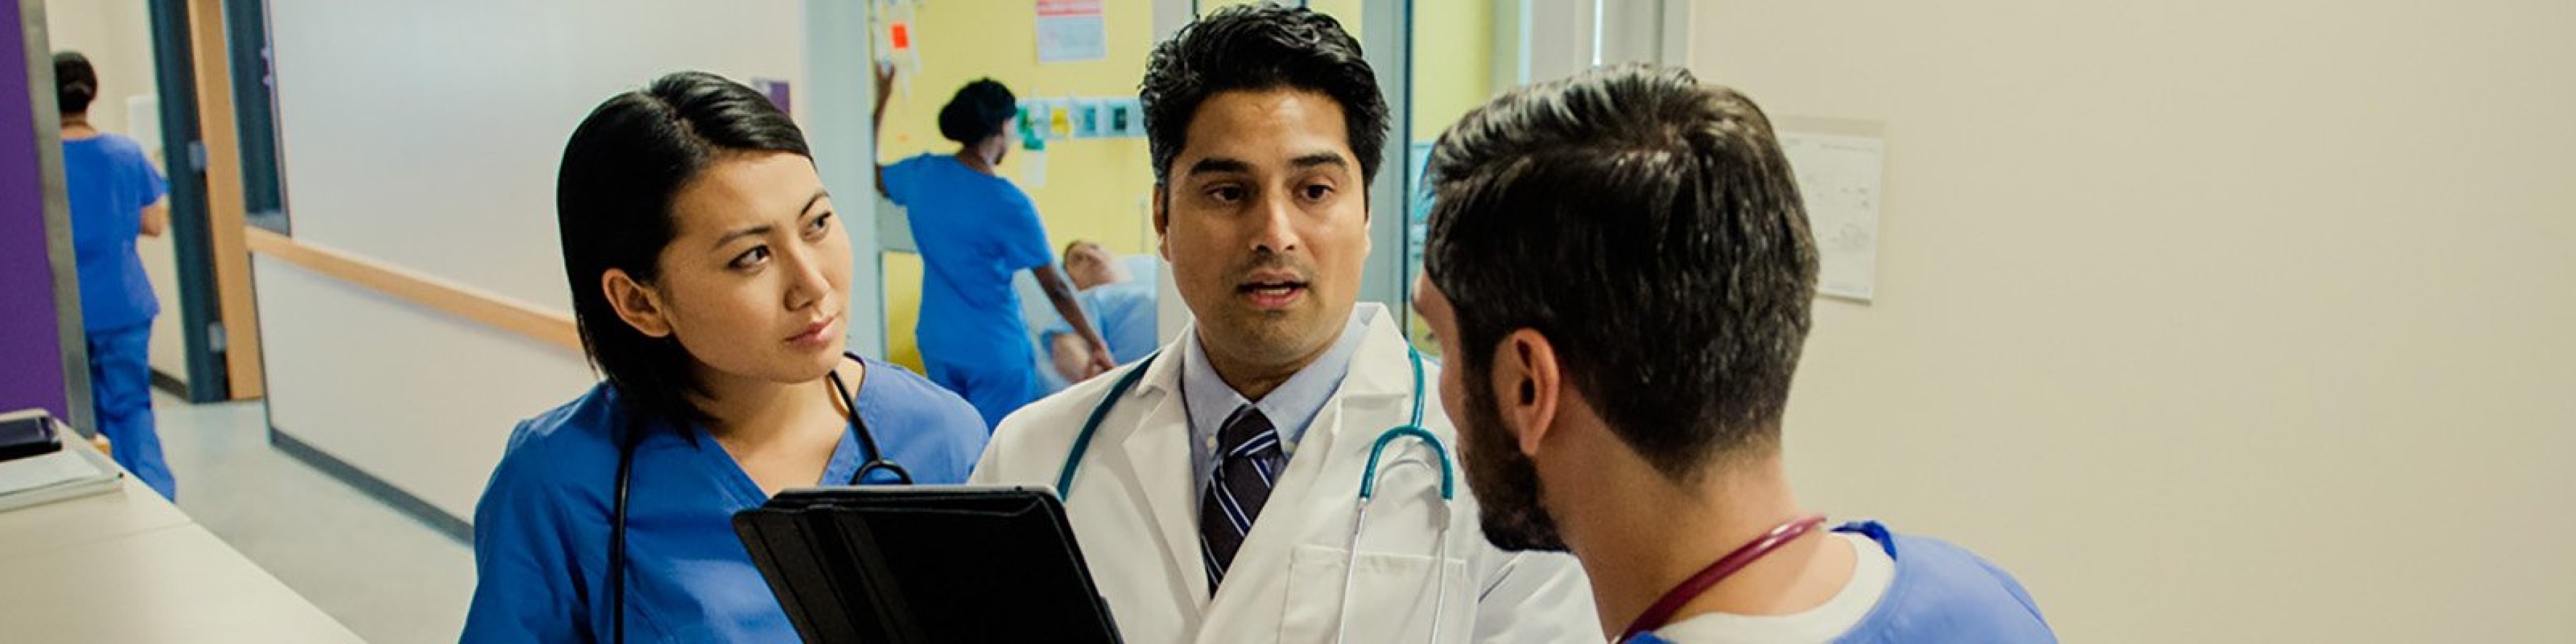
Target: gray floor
(387,577)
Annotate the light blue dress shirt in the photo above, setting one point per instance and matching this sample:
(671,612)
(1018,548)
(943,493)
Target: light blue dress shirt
(1291,408)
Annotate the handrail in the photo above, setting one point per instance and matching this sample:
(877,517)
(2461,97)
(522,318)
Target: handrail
(491,309)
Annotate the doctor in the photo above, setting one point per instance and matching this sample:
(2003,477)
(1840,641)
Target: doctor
(1659,462)
(1214,495)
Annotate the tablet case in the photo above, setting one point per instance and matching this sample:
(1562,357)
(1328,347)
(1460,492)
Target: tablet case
(924,564)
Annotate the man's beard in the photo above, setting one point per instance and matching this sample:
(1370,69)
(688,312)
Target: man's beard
(1505,481)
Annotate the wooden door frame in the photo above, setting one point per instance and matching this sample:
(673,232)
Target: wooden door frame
(220,320)
(225,206)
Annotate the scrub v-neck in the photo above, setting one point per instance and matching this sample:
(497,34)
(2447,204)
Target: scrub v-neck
(736,483)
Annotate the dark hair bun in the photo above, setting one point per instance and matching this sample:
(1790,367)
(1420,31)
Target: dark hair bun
(979,111)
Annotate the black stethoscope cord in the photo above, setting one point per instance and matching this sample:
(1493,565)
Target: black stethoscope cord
(877,460)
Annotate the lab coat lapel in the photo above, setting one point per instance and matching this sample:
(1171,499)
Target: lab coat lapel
(1158,450)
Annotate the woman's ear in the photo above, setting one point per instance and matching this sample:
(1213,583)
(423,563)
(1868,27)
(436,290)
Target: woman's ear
(997,146)
(639,305)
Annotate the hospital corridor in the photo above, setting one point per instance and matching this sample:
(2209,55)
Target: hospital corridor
(1297,321)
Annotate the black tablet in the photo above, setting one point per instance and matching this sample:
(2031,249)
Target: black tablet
(924,564)
(28,433)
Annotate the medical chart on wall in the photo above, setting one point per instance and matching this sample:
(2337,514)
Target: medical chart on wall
(1838,175)
(1071,30)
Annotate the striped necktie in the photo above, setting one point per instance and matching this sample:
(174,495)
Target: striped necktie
(1249,464)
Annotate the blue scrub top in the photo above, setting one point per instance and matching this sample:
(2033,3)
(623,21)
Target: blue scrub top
(1942,593)
(974,230)
(1122,312)
(541,530)
(108,180)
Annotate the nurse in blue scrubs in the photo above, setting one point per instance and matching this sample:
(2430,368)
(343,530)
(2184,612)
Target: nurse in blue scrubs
(974,230)
(711,281)
(116,193)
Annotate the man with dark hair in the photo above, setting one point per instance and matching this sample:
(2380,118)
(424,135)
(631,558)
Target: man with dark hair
(1215,487)
(1620,266)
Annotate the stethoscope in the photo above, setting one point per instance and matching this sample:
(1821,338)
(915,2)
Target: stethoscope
(877,460)
(1641,630)
(1368,484)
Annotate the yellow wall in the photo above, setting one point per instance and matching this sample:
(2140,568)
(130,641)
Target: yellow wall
(1345,11)
(1453,62)
(1095,189)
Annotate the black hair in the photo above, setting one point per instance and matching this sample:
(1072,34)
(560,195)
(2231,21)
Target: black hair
(613,199)
(75,82)
(1260,47)
(1649,227)
(979,110)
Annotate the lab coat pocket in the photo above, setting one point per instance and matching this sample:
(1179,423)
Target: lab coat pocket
(1391,600)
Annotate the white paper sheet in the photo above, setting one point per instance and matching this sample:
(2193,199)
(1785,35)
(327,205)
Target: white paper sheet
(1839,176)
(1071,30)
(36,472)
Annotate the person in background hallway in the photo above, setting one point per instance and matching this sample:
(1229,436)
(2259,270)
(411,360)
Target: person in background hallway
(116,195)
(1653,461)
(1218,499)
(711,284)
(1122,307)
(975,229)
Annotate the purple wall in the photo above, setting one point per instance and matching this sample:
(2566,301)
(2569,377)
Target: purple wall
(31,350)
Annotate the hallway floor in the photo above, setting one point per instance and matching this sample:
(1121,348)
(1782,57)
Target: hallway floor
(389,578)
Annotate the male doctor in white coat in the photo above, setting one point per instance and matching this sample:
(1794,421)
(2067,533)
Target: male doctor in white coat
(1215,498)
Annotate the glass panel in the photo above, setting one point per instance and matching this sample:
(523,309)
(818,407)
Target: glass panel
(1463,54)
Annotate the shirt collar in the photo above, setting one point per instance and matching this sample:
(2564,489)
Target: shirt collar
(1291,407)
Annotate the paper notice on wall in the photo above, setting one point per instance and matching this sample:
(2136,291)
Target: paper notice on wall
(1839,175)
(1033,169)
(1071,30)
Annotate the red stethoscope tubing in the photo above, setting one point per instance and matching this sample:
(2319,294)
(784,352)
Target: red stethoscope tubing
(1662,611)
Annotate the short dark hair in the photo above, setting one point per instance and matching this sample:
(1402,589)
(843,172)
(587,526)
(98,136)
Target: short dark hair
(613,199)
(1649,227)
(75,82)
(978,111)
(1260,47)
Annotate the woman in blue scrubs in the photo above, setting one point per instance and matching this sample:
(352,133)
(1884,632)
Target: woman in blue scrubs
(711,285)
(116,193)
(974,230)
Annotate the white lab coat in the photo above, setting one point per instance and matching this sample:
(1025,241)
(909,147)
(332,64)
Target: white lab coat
(1134,510)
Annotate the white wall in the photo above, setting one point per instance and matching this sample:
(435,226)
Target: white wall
(2214,321)
(116,35)
(426,135)
(413,396)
